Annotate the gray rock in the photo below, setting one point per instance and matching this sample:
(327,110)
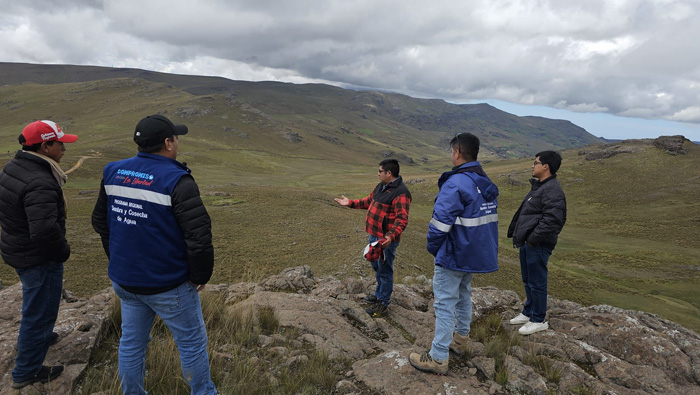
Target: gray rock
(294,361)
(523,379)
(673,145)
(596,349)
(608,151)
(80,326)
(291,279)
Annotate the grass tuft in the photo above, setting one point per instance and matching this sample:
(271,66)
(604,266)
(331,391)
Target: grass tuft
(269,323)
(238,364)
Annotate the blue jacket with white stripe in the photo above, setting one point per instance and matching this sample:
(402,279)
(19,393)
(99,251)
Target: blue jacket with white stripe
(463,233)
(155,229)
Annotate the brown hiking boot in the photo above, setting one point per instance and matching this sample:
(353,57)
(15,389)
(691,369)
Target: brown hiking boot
(459,344)
(426,363)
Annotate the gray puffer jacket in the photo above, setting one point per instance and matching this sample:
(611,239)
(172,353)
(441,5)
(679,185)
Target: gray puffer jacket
(541,215)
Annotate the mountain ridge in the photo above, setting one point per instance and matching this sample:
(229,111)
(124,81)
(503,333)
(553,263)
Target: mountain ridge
(430,121)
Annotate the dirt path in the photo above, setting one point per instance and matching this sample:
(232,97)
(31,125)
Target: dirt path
(81,160)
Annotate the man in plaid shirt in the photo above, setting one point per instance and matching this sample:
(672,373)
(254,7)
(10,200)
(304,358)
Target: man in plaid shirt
(387,217)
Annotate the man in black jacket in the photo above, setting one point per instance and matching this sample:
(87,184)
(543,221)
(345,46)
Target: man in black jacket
(33,242)
(157,235)
(535,230)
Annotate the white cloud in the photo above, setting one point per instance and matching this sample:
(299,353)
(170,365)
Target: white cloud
(690,114)
(626,57)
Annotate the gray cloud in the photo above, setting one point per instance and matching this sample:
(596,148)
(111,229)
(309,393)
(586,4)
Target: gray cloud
(635,58)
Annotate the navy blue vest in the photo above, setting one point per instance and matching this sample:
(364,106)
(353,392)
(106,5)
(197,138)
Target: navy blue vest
(146,245)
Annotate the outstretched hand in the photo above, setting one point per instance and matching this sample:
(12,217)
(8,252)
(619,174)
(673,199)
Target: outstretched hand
(343,201)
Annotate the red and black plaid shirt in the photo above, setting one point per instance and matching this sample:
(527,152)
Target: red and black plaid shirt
(387,210)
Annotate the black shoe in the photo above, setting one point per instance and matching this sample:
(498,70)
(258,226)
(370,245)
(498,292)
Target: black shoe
(377,310)
(370,299)
(54,339)
(44,375)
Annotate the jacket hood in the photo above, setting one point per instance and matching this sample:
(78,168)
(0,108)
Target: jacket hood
(488,189)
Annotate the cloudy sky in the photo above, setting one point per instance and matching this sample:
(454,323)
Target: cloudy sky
(619,68)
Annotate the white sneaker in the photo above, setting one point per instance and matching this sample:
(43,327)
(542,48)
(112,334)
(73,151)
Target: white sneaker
(533,327)
(520,319)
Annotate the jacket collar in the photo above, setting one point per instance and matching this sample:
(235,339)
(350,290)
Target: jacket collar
(391,185)
(472,167)
(164,159)
(535,183)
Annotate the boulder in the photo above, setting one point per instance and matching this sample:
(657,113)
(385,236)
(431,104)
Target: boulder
(80,326)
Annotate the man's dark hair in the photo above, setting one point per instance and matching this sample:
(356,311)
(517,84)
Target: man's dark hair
(151,148)
(34,147)
(467,145)
(391,165)
(551,158)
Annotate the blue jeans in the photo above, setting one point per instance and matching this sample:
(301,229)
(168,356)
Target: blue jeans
(533,268)
(452,290)
(384,272)
(181,311)
(41,296)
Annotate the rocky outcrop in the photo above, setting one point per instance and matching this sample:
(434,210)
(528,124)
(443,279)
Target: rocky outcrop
(673,145)
(596,349)
(80,326)
(608,151)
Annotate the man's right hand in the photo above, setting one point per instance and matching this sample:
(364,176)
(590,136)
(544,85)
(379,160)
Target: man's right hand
(343,201)
(198,286)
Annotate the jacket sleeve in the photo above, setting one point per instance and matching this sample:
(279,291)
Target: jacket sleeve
(553,216)
(41,208)
(401,205)
(363,203)
(448,205)
(99,218)
(195,224)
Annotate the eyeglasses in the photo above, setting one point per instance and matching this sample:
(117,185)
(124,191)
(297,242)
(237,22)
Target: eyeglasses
(535,163)
(381,171)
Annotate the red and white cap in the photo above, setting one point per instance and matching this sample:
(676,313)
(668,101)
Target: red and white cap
(42,131)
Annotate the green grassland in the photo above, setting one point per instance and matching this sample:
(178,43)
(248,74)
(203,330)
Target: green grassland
(629,241)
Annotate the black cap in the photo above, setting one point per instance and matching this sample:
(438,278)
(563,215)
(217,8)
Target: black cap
(153,129)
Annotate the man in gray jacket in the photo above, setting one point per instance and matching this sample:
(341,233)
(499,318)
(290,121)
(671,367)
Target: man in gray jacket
(535,230)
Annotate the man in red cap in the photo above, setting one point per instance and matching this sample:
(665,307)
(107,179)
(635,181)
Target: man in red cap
(33,242)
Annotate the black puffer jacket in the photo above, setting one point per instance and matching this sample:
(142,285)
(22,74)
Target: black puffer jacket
(32,213)
(541,215)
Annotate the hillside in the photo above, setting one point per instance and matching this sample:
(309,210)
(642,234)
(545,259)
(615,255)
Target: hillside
(302,114)
(268,177)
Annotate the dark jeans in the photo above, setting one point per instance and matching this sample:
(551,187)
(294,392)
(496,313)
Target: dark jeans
(41,295)
(533,267)
(384,272)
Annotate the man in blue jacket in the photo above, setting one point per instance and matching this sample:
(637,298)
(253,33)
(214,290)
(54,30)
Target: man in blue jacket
(157,235)
(463,238)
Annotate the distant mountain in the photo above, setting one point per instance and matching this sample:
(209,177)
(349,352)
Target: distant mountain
(387,124)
